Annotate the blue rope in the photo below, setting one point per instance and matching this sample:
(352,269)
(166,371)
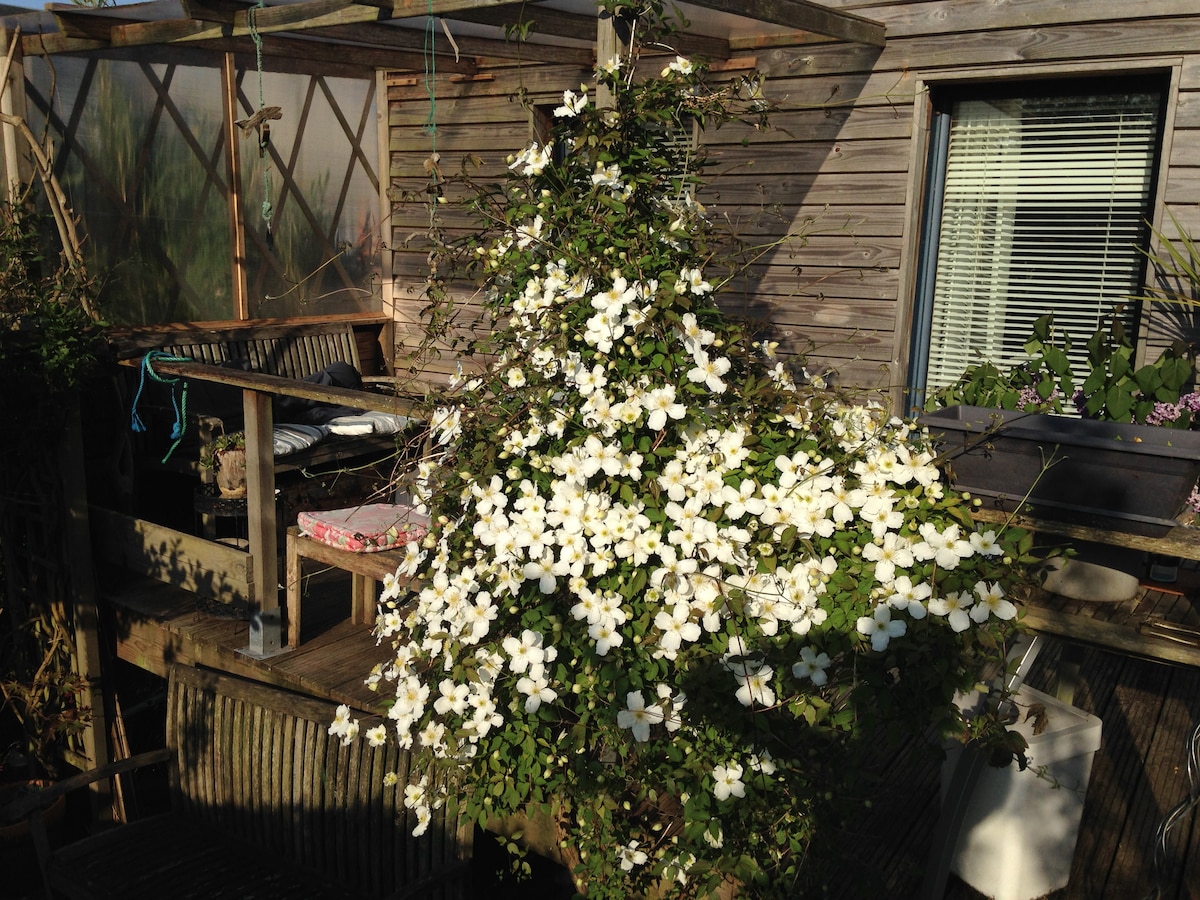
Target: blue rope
(179,405)
(430,54)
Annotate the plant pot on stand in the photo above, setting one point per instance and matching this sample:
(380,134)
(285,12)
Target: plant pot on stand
(230,472)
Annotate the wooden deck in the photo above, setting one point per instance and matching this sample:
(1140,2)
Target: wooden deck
(1148,709)
(155,623)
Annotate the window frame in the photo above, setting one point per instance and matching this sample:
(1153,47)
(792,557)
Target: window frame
(926,184)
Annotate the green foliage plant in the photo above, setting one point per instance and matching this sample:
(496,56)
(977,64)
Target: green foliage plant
(50,344)
(1113,388)
(672,596)
(1037,384)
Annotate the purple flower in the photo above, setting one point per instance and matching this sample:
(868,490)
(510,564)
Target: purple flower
(1164,413)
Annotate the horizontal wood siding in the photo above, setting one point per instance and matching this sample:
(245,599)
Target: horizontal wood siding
(834,183)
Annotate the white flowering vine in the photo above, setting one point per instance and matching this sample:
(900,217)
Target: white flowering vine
(671,585)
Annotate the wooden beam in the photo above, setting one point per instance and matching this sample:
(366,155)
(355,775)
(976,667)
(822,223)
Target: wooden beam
(608,45)
(555,23)
(412,39)
(804,15)
(213,10)
(82,24)
(356,54)
(546,21)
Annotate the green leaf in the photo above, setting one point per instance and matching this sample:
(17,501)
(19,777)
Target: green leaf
(1119,403)
(1058,361)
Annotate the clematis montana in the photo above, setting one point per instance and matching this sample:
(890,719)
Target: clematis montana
(671,582)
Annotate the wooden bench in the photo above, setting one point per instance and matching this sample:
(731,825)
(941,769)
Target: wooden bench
(265,803)
(293,349)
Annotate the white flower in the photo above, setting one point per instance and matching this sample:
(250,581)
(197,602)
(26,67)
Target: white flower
(377,736)
(881,627)
(692,280)
(414,794)
(680,66)
(446,423)
(661,405)
(728,781)
(453,698)
(763,764)
(343,726)
(754,688)
(676,627)
(985,543)
(709,371)
(631,856)
(536,688)
(424,816)
(533,160)
(955,607)
(524,651)
(572,105)
(992,603)
(637,717)
(605,635)
(812,665)
(545,571)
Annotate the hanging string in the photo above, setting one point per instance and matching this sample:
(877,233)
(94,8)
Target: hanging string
(264,137)
(430,55)
(178,404)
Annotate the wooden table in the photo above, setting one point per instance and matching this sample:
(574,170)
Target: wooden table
(366,569)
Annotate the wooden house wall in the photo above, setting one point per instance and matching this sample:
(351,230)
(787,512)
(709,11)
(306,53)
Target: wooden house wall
(835,184)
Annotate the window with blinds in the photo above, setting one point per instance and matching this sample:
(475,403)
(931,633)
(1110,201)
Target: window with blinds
(1044,203)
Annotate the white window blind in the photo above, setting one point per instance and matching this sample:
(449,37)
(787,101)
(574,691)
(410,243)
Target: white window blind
(1044,210)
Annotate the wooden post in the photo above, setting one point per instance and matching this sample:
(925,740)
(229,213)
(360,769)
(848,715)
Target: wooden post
(608,45)
(13,175)
(233,157)
(266,623)
(78,543)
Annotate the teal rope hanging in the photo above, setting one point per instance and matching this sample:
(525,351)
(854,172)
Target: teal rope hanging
(430,54)
(178,404)
(264,137)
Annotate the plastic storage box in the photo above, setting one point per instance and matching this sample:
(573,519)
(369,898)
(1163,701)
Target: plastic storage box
(1018,838)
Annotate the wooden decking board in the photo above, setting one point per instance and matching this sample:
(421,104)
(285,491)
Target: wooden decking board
(1133,864)
(1148,709)
(1167,766)
(1137,710)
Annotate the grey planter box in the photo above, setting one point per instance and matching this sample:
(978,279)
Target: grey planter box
(1132,478)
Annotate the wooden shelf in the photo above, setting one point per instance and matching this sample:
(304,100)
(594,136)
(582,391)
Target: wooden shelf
(1182,541)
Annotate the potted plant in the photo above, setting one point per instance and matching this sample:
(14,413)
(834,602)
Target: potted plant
(1124,458)
(226,457)
(674,594)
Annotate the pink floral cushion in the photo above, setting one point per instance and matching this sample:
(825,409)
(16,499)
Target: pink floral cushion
(365,529)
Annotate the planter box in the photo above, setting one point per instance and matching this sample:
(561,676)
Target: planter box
(1018,838)
(1132,478)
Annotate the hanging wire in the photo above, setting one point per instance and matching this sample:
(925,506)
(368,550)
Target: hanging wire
(264,140)
(1162,854)
(430,55)
(178,404)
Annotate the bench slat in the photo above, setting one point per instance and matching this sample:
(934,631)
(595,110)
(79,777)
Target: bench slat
(266,805)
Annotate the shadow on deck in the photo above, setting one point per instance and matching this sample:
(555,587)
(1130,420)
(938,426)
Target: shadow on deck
(1148,710)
